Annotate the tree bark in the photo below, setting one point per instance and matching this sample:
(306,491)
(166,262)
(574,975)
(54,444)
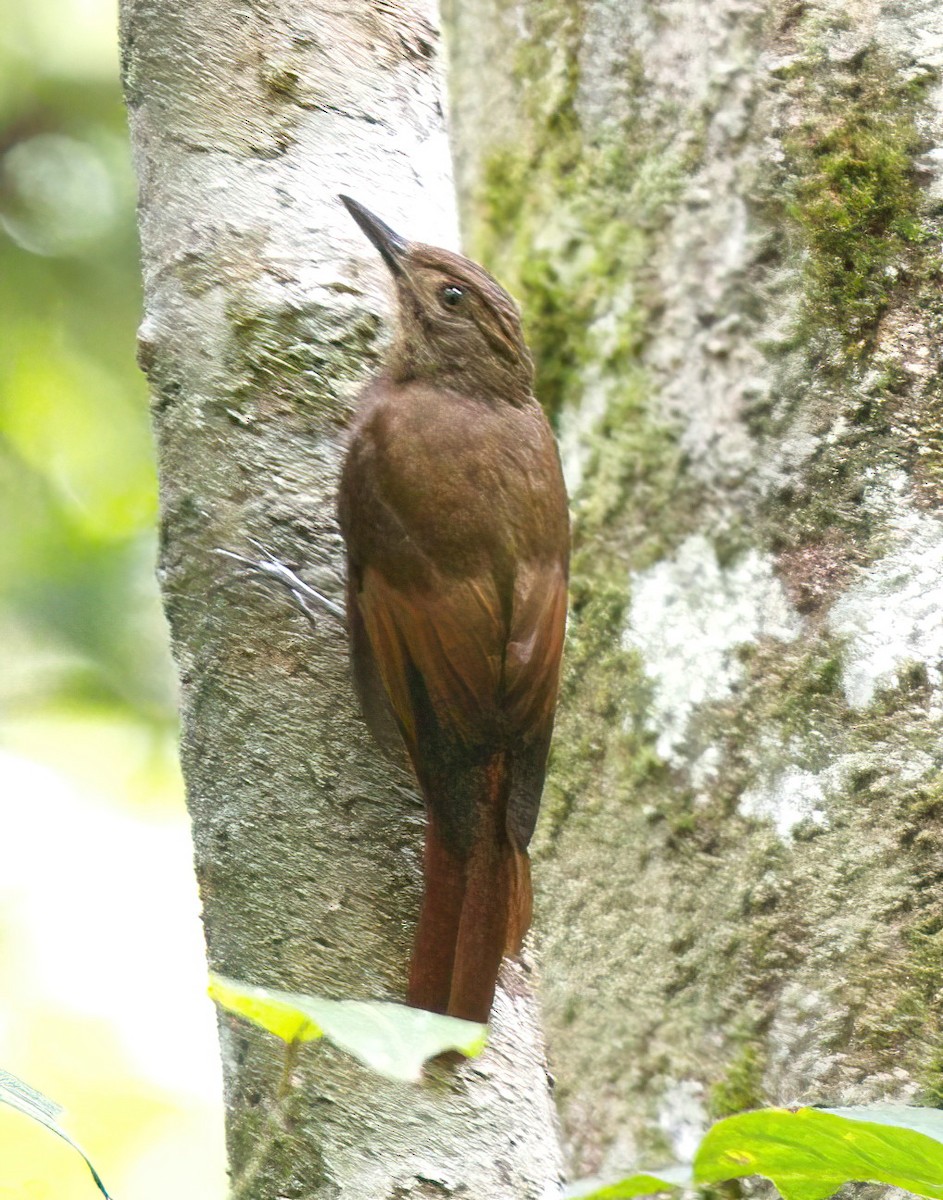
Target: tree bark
(723,221)
(263,308)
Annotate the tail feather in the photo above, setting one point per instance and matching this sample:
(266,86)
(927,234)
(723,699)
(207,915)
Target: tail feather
(520,900)
(430,970)
(482,932)
(474,911)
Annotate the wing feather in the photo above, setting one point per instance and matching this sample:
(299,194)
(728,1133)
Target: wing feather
(480,674)
(452,636)
(535,646)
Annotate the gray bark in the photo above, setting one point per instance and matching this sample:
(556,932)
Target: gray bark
(263,310)
(723,220)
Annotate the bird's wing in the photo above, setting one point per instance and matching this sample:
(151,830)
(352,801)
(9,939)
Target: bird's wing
(452,643)
(439,652)
(535,646)
(458,677)
(532,674)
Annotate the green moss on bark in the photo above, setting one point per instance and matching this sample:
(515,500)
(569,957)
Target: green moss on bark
(741,1087)
(848,193)
(567,220)
(854,197)
(287,360)
(727,914)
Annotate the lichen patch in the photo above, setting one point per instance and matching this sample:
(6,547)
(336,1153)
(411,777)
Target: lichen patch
(687,617)
(893,615)
(682,1117)
(794,795)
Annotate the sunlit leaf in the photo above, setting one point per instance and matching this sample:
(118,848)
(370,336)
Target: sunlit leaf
(31,1103)
(809,1153)
(390,1038)
(275,1012)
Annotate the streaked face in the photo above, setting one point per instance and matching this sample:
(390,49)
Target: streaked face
(457,308)
(455,321)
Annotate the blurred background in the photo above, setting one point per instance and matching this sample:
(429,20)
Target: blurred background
(102,982)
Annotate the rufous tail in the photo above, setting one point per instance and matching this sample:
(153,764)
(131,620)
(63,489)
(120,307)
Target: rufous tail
(474,911)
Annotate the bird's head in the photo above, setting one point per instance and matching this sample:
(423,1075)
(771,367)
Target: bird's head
(457,325)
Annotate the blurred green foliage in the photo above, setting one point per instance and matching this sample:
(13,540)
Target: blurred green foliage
(78,612)
(96,891)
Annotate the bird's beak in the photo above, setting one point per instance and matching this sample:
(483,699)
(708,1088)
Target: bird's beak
(391,246)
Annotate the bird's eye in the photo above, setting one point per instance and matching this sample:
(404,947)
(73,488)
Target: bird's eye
(452,296)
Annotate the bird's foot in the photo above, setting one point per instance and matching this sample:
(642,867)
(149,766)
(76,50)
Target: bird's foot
(308,599)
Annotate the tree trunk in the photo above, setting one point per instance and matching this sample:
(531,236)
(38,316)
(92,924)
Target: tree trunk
(723,220)
(263,307)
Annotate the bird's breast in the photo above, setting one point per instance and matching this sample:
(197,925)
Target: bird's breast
(467,481)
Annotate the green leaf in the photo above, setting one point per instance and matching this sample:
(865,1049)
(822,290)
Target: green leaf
(645,1183)
(275,1012)
(809,1153)
(31,1103)
(390,1038)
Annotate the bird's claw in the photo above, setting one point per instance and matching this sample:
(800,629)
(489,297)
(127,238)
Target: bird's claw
(302,593)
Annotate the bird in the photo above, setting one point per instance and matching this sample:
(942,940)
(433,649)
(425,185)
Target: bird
(455,517)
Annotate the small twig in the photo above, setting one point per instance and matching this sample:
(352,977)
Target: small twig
(288,1066)
(271,568)
(243,1186)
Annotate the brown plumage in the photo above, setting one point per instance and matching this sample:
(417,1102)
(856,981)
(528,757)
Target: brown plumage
(454,512)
